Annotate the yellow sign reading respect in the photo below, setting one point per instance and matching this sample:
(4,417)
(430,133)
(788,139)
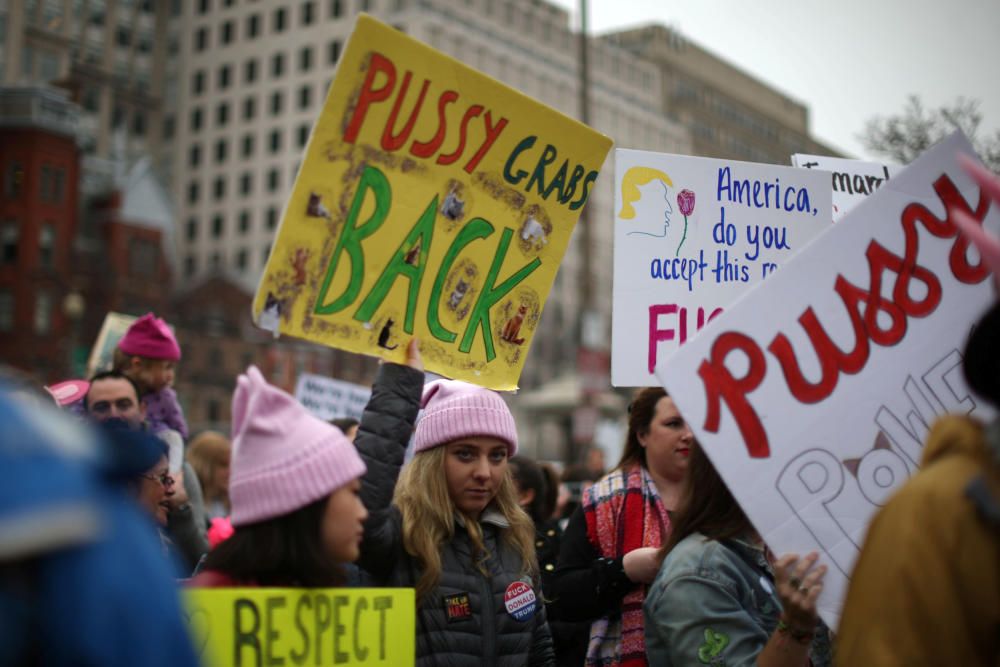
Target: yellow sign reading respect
(299,626)
(432,201)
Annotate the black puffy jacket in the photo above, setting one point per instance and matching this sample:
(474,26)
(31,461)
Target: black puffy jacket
(478,631)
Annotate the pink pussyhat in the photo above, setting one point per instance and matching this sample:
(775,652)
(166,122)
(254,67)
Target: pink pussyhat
(284,458)
(455,409)
(150,337)
(987,244)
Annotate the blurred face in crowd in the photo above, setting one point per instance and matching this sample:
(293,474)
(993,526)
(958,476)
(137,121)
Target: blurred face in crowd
(342,523)
(667,441)
(155,491)
(152,374)
(114,398)
(220,476)
(474,468)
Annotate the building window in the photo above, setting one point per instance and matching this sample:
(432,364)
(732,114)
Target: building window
(138,124)
(193,192)
(221,151)
(46,183)
(272,218)
(191,231)
(58,184)
(275,141)
(143,258)
(276,100)
(43,312)
(226,32)
(266,255)
(241,259)
(247,145)
(204,6)
(249,71)
(215,262)
(244,224)
(277,64)
(47,245)
(201,39)
(198,82)
(279,20)
(246,183)
(168,127)
(194,156)
(336,9)
(307,13)
(6,310)
(249,108)
(253,25)
(13,181)
(273,180)
(365,5)
(222,115)
(219,188)
(196,119)
(305,59)
(222,81)
(217,227)
(303,135)
(10,234)
(334,51)
(190,265)
(305,97)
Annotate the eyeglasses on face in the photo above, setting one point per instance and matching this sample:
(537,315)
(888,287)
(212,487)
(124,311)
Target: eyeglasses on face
(163,478)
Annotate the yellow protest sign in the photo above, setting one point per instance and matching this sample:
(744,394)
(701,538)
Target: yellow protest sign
(298,626)
(432,201)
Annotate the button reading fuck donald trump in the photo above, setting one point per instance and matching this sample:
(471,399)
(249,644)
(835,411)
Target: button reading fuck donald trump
(520,601)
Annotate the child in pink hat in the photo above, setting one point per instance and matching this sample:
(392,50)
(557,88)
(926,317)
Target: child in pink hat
(148,354)
(449,523)
(293,486)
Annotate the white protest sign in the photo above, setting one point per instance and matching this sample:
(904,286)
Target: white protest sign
(852,180)
(813,395)
(330,399)
(691,235)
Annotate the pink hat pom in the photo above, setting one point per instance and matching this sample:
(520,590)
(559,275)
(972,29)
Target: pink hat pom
(284,458)
(455,409)
(150,337)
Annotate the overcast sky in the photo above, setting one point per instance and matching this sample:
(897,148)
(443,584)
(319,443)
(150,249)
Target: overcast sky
(847,60)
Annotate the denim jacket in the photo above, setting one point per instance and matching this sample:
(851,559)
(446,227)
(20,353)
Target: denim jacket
(714,603)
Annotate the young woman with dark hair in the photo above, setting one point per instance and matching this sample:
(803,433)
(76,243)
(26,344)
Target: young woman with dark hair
(294,489)
(608,552)
(719,597)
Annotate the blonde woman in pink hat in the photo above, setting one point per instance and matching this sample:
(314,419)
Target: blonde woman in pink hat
(448,523)
(293,488)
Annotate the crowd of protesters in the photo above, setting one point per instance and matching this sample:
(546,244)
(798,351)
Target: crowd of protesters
(113,504)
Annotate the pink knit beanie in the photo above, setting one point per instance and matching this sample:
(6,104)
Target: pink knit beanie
(284,458)
(455,409)
(150,337)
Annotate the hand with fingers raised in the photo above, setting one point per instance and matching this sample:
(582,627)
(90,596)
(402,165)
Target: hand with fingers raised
(799,583)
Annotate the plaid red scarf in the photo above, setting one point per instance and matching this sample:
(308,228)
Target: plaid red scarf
(623,512)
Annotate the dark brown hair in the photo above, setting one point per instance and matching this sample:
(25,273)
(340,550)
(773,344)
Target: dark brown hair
(284,551)
(529,475)
(640,415)
(981,364)
(706,505)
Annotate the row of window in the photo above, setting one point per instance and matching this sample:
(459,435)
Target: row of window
(224,76)
(51,185)
(42,323)
(241,261)
(253,25)
(219,185)
(217,226)
(247,146)
(276,105)
(279,17)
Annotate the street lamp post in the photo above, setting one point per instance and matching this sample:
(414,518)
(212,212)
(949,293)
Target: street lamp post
(73,307)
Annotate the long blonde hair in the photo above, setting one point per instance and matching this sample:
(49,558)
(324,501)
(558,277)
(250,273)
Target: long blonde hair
(206,452)
(421,495)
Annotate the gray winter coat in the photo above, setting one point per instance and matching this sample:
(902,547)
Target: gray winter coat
(464,622)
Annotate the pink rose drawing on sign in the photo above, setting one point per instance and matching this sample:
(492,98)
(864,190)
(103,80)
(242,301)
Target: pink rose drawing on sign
(685,202)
